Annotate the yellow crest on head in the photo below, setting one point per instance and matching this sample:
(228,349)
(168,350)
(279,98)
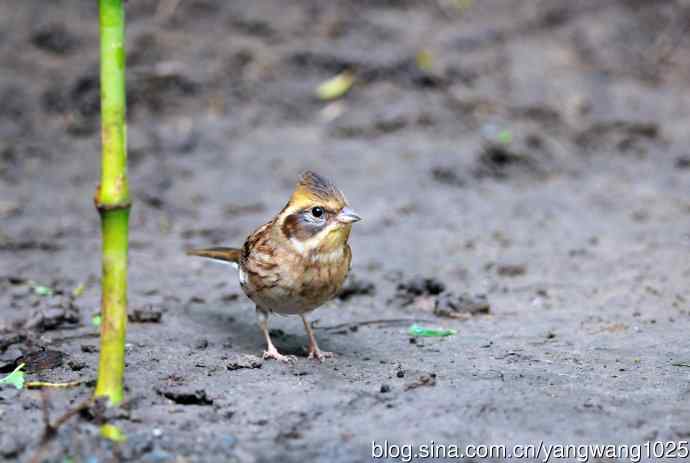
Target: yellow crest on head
(315,189)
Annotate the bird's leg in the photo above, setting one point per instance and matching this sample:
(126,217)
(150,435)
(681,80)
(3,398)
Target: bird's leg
(314,351)
(271,352)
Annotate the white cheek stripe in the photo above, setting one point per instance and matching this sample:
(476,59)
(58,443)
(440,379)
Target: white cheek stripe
(298,245)
(303,247)
(243,276)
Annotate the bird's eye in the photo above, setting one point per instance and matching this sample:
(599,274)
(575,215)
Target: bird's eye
(317,212)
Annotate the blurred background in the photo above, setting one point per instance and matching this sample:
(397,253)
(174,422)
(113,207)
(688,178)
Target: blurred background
(532,154)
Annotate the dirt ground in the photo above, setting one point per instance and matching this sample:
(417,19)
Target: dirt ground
(538,159)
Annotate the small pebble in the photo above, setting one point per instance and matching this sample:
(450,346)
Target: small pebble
(76,365)
(683,162)
(511,270)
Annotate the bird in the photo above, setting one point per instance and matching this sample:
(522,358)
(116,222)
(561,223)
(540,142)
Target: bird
(298,260)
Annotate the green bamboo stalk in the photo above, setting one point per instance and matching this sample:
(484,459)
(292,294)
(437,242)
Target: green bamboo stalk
(112,202)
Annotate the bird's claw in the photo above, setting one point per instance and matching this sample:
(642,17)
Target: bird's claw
(317,354)
(275,355)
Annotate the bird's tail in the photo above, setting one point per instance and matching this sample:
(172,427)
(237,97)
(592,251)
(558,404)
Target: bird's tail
(231,255)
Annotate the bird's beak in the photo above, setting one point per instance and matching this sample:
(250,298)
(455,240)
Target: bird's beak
(347,215)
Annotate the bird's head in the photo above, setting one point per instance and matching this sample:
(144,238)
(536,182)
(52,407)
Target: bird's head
(317,217)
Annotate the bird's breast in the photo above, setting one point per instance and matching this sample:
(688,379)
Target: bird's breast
(294,284)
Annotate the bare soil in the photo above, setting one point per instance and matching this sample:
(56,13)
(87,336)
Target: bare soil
(538,165)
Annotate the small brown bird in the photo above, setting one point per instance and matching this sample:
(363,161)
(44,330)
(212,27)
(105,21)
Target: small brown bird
(297,261)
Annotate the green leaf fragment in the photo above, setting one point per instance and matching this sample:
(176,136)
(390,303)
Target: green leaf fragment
(336,87)
(462,5)
(425,61)
(505,137)
(113,433)
(96,320)
(43,290)
(416,330)
(79,290)
(16,378)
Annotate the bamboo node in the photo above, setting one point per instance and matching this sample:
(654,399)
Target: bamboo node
(102,207)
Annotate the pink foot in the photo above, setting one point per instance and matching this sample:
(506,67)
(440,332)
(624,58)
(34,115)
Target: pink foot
(272,353)
(318,354)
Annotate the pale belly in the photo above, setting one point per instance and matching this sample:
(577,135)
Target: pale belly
(282,298)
